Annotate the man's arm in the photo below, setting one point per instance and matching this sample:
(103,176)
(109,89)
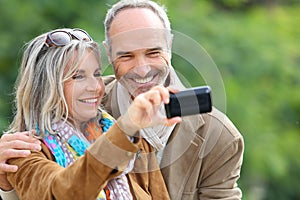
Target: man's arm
(223,174)
(224,161)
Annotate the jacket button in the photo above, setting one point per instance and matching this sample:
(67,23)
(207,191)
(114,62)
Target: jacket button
(129,153)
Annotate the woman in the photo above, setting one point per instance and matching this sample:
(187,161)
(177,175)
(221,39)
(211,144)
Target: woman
(59,90)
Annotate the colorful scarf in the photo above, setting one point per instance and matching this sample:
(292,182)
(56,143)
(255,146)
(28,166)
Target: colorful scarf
(69,144)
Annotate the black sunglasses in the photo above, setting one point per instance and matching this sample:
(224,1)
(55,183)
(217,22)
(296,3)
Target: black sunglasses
(61,38)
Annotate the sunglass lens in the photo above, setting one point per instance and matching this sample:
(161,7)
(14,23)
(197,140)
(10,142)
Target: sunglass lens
(60,38)
(81,35)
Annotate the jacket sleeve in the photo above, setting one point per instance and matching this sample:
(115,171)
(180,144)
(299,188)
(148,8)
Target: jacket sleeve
(38,177)
(223,172)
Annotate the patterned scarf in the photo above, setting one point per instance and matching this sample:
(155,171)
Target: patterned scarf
(69,144)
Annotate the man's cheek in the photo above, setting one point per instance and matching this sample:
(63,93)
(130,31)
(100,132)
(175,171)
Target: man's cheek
(164,58)
(116,68)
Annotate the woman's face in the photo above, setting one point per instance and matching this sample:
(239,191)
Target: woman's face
(85,89)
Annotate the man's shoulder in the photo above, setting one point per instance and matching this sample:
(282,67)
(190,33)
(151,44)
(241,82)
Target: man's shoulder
(109,82)
(220,134)
(216,118)
(108,79)
(212,124)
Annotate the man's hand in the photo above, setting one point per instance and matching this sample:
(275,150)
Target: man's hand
(13,146)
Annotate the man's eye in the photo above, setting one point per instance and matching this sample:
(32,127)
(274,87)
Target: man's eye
(154,53)
(125,57)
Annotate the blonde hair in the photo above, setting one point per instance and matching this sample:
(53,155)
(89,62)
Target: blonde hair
(39,96)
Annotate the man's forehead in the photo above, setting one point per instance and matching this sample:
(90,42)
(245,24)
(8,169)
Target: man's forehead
(134,18)
(148,38)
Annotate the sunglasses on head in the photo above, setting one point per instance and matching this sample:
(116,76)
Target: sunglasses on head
(61,38)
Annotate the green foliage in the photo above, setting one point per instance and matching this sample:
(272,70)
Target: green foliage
(256,50)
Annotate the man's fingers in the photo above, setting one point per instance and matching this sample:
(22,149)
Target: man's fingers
(20,145)
(164,93)
(154,97)
(24,136)
(142,102)
(8,168)
(172,121)
(172,90)
(14,153)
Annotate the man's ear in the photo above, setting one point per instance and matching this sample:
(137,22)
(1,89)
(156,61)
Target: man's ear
(108,51)
(171,41)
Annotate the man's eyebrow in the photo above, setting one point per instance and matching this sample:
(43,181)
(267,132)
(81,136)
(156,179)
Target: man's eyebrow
(122,53)
(148,50)
(155,49)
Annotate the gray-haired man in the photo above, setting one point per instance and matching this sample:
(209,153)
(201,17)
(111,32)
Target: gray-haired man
(201,156)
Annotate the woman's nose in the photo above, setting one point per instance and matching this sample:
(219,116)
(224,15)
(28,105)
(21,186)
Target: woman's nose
(94,84)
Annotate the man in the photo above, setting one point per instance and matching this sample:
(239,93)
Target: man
(201,157)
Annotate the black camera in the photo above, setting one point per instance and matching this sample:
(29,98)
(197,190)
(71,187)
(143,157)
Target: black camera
(189,102)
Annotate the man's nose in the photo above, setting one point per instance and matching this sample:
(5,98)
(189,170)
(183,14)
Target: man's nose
(142,71)
(142,67)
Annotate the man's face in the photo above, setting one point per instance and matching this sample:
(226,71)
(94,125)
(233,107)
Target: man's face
(139,50)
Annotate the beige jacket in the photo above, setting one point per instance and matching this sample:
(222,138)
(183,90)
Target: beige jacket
(38,178)
(203,157)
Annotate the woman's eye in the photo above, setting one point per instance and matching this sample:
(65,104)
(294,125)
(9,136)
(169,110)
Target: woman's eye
(77,76)
(98,74)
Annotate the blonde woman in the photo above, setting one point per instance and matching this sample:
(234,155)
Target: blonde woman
(58,93)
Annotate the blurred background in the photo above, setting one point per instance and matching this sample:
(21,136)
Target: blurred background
(254,43)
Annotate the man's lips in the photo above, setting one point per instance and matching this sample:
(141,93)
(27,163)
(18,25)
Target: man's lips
(143,80)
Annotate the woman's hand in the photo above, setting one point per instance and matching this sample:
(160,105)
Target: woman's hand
(145,111)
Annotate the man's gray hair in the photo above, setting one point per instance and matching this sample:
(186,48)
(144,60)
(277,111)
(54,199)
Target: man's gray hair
(159,10)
